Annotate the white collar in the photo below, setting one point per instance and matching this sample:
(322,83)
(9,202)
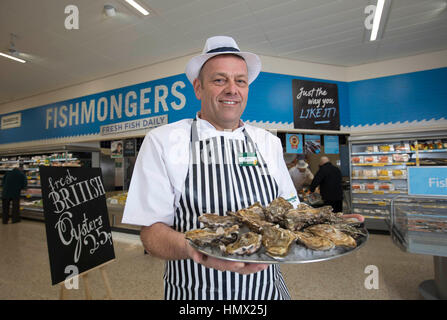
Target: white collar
(206,130)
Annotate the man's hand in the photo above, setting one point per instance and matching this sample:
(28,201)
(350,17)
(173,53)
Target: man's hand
(223,265)
(355,216)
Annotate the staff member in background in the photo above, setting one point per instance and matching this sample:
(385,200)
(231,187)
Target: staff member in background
(192,166)
(301,175)
(328,177)
(13,182)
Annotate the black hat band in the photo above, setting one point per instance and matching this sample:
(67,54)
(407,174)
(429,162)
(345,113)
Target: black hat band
(223,49)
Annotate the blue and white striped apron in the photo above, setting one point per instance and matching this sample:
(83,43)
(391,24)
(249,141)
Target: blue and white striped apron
(216,183)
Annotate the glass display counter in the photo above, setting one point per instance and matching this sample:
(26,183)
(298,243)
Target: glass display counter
(419,225)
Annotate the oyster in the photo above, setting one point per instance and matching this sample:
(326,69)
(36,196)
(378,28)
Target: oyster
(332,233)
(206,236)
(247,244)
(212,220)
(258,209)
(277,240)
(297,219)
(350,230)
(314,242)
(304,216)
(276,210)
(251,218)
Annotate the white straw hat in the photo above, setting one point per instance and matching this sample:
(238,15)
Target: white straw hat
(302,164)
(222,45)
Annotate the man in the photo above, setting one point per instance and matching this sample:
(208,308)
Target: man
(301,175)
(328,178)
(193,166)
(13,182)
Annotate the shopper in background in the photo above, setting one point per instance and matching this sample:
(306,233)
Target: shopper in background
(195,166)
(301,175)
(328,177)
(13,182)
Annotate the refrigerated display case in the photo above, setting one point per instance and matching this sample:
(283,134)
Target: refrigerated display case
(115,206)
(378,169)
(418,224)
(31,206)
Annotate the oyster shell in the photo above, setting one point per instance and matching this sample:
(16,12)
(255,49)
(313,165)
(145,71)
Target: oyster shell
(212,220)
(297,219)
(258,209)
(247,244)
(206,236)
(350,230)
(276,210)
(251,218)
(277,240)
(332,233)
(314,242)
(304,216)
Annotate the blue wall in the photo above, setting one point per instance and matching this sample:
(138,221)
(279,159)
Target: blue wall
(405,97)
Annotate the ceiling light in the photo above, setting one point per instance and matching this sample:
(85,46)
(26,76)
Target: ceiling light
(11,57)
(134,4)
(109,10)
(377,17)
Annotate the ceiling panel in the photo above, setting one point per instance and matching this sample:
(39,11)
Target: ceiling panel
(322,31)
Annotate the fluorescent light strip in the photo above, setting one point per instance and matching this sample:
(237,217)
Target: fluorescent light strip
(377,16)
(11,57)
(138,7)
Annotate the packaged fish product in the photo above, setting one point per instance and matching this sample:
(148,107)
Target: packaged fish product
(399,173)
(369,159)
(358,186)
(386,148)
(402,147)
(357,159)
(384,173)
(385,159)
(372,149)
(401,157)
(386,186)
(372,173)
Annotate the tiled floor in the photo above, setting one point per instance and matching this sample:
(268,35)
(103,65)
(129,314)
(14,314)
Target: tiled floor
(25,273)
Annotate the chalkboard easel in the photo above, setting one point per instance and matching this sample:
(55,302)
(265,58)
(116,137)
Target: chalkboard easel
(84,276)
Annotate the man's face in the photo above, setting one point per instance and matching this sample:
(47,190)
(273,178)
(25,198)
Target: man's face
(223,90)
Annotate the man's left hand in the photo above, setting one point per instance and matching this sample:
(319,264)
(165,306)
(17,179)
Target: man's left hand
(355,216)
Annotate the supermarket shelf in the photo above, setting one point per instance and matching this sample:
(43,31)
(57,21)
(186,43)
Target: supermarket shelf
(396,152)
(376,217)
(32,208)
(374,162)
(383,164)
(380,192)
(379,178)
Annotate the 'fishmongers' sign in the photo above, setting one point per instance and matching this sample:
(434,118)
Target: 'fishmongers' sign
(315,105)
(76,220)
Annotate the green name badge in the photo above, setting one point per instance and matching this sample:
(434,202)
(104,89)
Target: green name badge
(248,159)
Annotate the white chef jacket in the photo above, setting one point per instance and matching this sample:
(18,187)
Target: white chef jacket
(300,178)
(162,165)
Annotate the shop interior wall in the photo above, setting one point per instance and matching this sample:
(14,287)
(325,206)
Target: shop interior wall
(412,97)
(356,100)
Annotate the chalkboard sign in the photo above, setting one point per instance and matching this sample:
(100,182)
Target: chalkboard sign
(315,105)
(76,220)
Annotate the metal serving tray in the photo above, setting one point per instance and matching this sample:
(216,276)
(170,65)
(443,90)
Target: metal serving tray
(297,253)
